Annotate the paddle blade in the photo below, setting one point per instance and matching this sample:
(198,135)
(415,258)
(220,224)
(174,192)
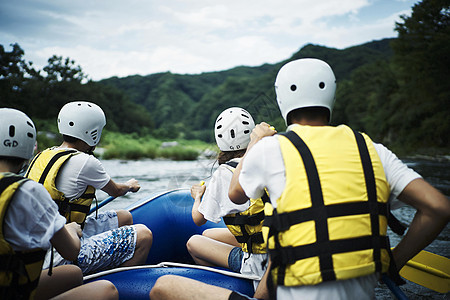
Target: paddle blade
(429,270)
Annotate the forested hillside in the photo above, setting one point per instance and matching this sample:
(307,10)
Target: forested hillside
(396,90)
(189,104)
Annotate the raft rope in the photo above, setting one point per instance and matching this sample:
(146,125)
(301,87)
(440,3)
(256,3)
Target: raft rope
(170,264)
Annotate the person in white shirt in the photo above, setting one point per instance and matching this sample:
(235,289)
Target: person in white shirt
(218,246)
(316,168)
(31,224)
(71,174)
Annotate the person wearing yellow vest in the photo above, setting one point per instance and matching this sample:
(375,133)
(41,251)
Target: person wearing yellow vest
(330,188)
(30,224)
(71,174)
(239,247)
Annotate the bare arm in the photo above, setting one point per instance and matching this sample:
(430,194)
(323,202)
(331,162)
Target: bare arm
(119,189)
(236,192)
(262,292)
(67,241)
(433,214)
(197,192)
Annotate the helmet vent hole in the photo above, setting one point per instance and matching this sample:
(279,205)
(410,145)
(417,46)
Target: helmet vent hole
(233,135)
(219,119)
(89,105)
(30,124)
(293,87)
(245,116)
(220,126)
(71,123)
(219,135)
(322,85)
(12,131)
(79,104)
(30,135)
(245,122)
(246,131)
(94,134)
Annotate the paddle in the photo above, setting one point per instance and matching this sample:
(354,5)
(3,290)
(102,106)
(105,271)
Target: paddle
(103,203)
(398,293)
(429,270)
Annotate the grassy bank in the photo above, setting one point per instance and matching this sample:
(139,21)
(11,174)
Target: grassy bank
(132,146)
(115,145)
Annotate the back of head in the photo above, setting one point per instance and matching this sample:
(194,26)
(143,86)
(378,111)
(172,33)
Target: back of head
(233,128)
(17,134)
(302,83)
(82,120)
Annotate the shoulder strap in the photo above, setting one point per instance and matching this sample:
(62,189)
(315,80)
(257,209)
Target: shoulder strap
(52,162)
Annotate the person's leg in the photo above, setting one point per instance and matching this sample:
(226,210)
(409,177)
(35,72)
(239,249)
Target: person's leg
(208,252)
(63,279)
(99,290)
(172,287)
(124,217)
(123,246)
(144,240)
(223,235)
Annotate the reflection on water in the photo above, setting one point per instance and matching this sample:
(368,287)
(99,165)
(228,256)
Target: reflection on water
(161,175)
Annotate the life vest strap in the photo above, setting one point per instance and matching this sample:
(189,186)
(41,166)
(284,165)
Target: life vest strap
(283,221)
(32,163)
(256,238)
(8,180)
(52,162)
(239,219)
(232,164)
(289,255)
(79,208)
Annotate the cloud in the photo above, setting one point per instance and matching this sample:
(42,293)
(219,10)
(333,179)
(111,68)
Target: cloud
(142,37)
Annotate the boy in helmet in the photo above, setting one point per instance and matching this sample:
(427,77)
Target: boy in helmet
(330,188)
(26,233)
(71,175)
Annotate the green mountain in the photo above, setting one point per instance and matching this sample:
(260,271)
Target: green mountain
(187,105)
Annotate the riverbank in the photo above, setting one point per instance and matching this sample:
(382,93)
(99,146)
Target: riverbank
(115,145)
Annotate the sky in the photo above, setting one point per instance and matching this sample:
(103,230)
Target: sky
(128,37)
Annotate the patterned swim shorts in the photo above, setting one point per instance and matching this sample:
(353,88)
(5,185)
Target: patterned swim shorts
(107,250)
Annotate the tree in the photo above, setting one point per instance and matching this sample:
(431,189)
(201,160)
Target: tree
(63,70)
(422,62)
(15,74)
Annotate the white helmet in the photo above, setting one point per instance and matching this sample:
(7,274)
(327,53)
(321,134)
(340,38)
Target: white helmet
(82,120)
(17,134)
(232,129)
(305,82)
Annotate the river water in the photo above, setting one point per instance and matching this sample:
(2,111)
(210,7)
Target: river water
(161,175)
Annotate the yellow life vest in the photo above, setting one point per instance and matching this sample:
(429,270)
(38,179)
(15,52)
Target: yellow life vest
(19,270)
(330,221)
(44,169)
(247,226)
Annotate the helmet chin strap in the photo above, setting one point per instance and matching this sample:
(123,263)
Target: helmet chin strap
(90,151)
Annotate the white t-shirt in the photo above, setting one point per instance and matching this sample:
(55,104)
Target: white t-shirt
(32,218)
(216,204)
(263,167)
(78,172)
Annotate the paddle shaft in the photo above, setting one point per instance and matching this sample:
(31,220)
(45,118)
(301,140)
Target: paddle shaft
(101,204)
(398,293)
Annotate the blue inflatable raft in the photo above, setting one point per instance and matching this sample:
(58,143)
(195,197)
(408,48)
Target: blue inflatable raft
(168,216)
